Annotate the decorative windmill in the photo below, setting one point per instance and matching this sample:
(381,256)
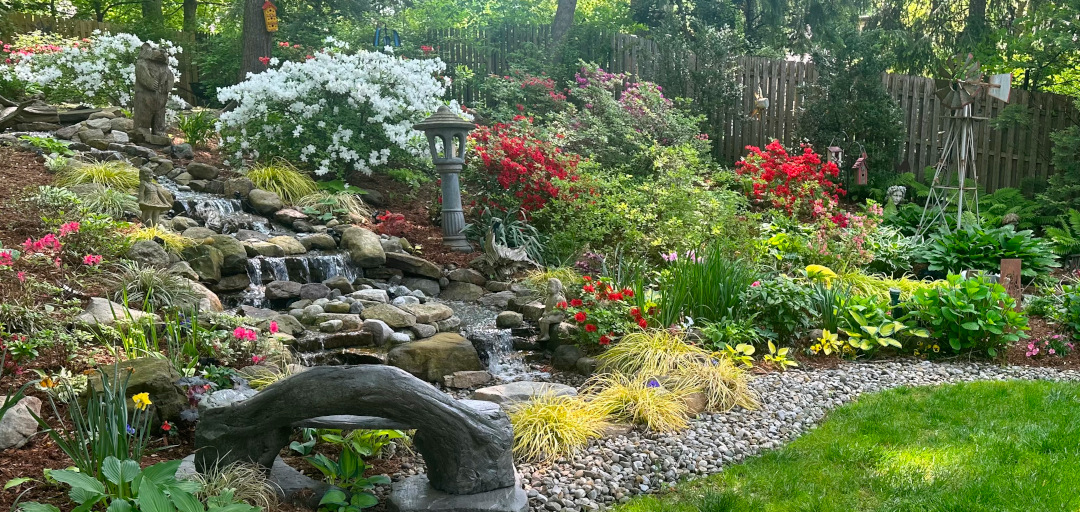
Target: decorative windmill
(955,177)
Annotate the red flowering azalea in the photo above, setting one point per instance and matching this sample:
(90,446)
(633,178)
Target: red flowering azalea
(561,305)
(605,339)
(590,328)
(635,312)
(615,296)
(589,288)
(801,185)
(576,303)
(642,323)
(628,293)
(166,426)
(586,278)
(580,317)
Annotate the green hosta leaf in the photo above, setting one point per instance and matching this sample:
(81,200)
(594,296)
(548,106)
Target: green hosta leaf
(37,507)
(15,482)
(971,326)
(151,499)
(162,474)
(379,480)
(334,497)
(84,488)
(119,506)
(363,500)
(919,332)
(186,502)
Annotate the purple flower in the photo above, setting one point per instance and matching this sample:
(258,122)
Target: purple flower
(130,430)
(653,383)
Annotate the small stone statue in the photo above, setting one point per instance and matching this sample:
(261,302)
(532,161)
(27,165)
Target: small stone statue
(553,314)
(154,200)
(153,83)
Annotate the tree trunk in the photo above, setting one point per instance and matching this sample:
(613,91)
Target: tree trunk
(191,12)
(256,41)
(750,23)
(153,14)
(974,25)
(564,17)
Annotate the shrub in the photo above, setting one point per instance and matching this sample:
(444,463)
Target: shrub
(602,311)
(1067,309)
(171,240)
(615,120)
(979,248)
(99,70)
(54,199)
(112,202)
(198,127)
(783,305)
(154,289)
(334,112)
(282,179)
(972,314)
(517,167)
(114,174)
(801,185)
(521,93)
(509,230)
(642,400)
(548,427)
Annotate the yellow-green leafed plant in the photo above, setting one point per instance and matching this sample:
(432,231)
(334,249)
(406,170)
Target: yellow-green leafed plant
(642,400)
(248,483)
(262,378)
(779,357)
(537,280)
(113,174)
(548,426)
(281,178)
(667,354)
(173,241)
(873,285)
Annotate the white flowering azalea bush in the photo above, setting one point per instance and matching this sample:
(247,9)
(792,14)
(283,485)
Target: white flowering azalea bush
(99,70)
(333,112)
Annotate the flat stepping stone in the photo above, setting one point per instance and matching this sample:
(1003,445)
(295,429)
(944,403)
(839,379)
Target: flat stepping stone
(521,391)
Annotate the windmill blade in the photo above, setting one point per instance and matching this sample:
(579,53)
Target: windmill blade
(1000,86)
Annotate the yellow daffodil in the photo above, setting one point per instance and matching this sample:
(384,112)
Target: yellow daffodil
(47,382)
(142,401)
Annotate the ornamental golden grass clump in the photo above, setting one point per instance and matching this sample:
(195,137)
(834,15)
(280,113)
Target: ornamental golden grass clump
(548,426)
(113,174)
(173,241)
(343,200)
(537,280)
(874,285)
(642,401)
(281,178)
(667,355)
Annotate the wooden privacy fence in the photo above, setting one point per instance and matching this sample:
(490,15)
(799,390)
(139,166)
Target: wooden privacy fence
(1005,157)
(19,23)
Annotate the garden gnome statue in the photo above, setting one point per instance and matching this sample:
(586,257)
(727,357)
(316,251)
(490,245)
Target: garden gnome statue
(153,198)
(153,83)
(553,314)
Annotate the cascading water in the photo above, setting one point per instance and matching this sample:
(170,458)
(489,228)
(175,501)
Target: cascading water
(504,363)
(218,213)
(306,268)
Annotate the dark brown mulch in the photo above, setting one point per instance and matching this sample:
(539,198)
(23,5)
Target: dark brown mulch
(1041,328)
(20,172)
(416,206)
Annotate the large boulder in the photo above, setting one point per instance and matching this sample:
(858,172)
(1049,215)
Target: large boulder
(428,313)
(364,247)
(205,260)
(566,357)
(18,424)
(265,202)
(282,290)
(151,375)
(314,291)
(265,249)
(391,315)
(461,291)
(150,253)
(238,187)
(432,358)
(413,265)
(290,245)
(233,283)
(198,233)
(521,391)
(318,242)
(201,171)
(106,312)
(234,256)
(209,301)
(467,275)
(430,287)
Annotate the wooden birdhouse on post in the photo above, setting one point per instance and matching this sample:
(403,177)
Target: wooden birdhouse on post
(836,155)
(270,15)
(861,172)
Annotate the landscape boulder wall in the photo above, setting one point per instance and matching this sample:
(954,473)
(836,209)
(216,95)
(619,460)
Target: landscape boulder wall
(467,450)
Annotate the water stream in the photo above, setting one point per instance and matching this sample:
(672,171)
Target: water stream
(496,346)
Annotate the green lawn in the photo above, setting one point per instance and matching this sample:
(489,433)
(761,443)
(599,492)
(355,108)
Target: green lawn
(985,446)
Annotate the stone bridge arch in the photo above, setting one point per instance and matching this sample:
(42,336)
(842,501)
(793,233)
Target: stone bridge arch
(467,448)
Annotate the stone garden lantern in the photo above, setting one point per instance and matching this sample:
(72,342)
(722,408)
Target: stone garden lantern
(449,158)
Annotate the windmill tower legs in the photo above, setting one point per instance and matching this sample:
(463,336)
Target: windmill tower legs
(955,177)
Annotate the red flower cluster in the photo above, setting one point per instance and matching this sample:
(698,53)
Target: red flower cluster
(426,49)
(601,308)
(532,170)
(801,185)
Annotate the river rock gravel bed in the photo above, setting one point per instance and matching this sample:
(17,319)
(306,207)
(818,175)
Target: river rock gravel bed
(615,469)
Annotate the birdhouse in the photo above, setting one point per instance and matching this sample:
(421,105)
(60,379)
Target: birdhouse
(836,155)
(270,15)
(861,172)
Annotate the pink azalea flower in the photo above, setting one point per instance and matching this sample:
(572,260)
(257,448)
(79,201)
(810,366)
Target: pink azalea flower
(755,284)
(273,327)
